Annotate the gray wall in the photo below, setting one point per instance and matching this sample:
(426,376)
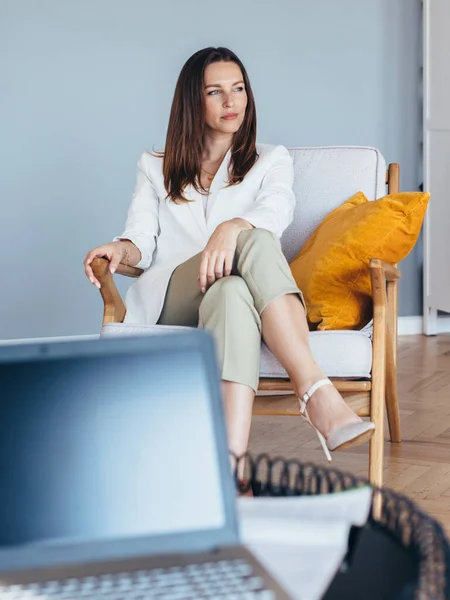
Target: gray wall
(87,85)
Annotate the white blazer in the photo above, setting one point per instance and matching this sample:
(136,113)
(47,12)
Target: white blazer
(168,234)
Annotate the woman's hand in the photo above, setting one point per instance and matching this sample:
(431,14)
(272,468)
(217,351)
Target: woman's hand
(114,252)
(218,255)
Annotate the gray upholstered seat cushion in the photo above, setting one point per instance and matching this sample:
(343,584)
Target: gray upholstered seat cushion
(339,353)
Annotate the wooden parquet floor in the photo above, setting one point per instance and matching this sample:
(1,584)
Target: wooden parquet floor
(419,467)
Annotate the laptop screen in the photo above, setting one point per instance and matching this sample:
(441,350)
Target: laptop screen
(103,447)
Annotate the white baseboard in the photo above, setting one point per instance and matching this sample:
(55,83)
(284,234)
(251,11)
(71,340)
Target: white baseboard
(414,325)
(406,326)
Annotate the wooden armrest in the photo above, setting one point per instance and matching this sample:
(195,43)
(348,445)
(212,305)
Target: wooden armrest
(382,295)
(384,279)
(99,266)
(390,272)
(129,271)
(114,308)
(378,288)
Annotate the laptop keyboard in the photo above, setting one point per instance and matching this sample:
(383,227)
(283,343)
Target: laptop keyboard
(221,580)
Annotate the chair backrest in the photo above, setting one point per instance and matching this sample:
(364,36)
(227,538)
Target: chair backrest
(324,178)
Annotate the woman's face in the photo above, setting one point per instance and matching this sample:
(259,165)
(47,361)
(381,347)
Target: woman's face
(225,97)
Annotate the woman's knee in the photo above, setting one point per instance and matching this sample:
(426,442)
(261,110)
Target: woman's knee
(256,237)
(224,288)
(228,289)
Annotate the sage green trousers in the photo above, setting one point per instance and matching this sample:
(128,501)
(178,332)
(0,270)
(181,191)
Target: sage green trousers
(231,308)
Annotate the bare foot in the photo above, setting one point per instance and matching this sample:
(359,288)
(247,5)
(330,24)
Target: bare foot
(328,410)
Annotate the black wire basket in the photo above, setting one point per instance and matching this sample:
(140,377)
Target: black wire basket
(414,553)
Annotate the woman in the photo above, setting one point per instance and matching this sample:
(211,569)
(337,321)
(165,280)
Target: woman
(205,222)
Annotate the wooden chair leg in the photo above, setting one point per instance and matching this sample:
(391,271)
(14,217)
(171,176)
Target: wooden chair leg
(376,448)
(392,409)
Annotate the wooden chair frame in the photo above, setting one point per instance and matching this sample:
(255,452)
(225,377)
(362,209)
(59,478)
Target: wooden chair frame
(366,398)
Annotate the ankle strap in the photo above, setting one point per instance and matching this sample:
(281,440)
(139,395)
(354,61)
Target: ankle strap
(307,395)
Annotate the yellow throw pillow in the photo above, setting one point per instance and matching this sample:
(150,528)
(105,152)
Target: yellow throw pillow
(332,269)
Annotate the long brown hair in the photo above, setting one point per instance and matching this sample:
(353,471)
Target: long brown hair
(184,142)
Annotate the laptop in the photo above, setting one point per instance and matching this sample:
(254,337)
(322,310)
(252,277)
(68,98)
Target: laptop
(115,479)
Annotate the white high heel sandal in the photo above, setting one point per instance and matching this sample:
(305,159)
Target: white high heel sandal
(352,434)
